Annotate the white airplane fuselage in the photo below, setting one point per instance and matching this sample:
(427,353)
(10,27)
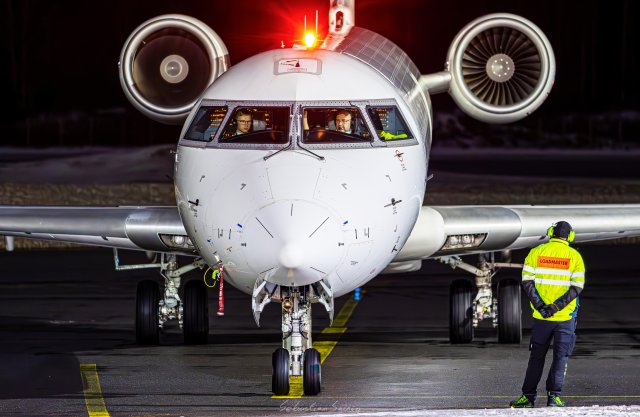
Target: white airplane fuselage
(294,219)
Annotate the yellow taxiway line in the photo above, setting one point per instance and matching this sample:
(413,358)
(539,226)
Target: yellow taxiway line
(330,336)
(92,392)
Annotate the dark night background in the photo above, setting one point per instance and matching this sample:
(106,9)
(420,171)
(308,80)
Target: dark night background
(60,81)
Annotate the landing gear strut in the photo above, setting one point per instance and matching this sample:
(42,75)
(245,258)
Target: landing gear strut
(296,357)
(155,307)
(296,338)
(465,313)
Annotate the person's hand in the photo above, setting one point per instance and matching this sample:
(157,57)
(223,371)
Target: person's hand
(548,310)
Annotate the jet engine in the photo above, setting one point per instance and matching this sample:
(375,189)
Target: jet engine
(502,68)
(167,63)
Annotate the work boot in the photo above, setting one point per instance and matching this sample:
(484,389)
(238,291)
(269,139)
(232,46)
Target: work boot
(554,400)
(522,402)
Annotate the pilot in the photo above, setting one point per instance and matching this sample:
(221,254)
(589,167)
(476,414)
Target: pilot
(343,121)
(552,278)
(244,122)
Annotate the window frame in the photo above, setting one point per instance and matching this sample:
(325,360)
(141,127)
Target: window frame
(189,123)
(232,107)
(402,119)
(296,128)
(362,106)
(344,105)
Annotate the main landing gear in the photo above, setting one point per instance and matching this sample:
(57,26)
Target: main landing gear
(155,306)
(296,357)
(465,312)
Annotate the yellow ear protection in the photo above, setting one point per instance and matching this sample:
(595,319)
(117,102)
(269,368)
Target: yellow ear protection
(551,229)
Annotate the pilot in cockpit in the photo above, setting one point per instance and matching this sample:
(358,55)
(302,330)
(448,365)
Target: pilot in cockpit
(343,121)
(244,122)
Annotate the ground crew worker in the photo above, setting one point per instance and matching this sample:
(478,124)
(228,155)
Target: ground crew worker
(552,278)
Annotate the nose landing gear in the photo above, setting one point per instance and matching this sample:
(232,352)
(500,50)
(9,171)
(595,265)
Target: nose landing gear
(296,339)
(296,357)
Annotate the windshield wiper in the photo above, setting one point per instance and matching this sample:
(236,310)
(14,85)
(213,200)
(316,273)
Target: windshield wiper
(312,153)
(278,151)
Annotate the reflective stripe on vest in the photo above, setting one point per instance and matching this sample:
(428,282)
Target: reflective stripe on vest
(554,267)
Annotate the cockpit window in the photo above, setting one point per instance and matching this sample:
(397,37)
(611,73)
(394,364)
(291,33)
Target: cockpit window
(388,123)
(206,123)
(257,125)
(334,125)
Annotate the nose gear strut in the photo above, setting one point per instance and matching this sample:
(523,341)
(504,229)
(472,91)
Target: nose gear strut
(296,357)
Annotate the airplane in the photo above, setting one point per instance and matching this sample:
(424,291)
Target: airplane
(301,173)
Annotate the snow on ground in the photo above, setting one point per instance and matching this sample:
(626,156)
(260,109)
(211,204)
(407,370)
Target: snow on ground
(608,411)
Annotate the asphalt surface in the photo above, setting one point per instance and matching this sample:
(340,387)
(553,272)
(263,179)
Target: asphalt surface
(63,309)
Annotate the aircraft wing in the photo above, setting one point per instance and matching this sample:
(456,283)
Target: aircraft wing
(140,228)
(460,230)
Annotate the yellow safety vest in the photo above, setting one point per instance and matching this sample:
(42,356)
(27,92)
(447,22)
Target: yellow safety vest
(555,267)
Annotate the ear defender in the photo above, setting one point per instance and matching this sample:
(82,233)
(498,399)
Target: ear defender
(550,230)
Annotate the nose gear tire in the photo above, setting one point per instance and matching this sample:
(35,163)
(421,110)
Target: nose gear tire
(280,376)
(312,377)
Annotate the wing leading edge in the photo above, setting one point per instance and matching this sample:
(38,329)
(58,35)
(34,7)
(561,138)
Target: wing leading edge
(495,228)
(139,228)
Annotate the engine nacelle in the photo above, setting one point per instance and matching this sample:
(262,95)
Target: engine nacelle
(502,68)
(167,63)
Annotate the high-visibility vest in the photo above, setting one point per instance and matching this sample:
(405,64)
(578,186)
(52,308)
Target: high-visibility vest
(555,267)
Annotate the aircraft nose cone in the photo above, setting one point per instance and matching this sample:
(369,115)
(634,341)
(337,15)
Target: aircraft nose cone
(291,256)
(293,242)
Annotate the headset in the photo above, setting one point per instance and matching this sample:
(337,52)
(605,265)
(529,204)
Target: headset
(551,229)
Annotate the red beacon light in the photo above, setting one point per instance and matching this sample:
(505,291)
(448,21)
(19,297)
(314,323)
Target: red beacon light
(309,40)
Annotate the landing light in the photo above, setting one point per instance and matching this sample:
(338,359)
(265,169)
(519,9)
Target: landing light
(177,241)
(464,241)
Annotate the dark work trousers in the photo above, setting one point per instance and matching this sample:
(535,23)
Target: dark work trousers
(563,334)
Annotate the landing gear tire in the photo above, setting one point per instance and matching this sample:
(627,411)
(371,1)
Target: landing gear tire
(312,377)
(147,299)
(460,312)
(280,377)
(509,312)
(196,313)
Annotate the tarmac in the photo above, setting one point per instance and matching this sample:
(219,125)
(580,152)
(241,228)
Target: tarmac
(67,331)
